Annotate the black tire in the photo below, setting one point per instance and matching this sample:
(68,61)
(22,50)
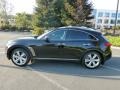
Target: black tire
(26,57)
(88,63)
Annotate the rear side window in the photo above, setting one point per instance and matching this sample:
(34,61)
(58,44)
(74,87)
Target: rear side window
(104,38)
(78,35)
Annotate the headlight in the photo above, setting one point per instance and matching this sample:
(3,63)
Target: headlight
(9,43)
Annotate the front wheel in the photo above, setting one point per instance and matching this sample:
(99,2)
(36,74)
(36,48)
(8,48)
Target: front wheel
(92,60)
(20,57)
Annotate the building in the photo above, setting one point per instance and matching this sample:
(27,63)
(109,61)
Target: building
(105,18)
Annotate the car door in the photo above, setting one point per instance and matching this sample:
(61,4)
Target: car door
(76,43)
(51,44)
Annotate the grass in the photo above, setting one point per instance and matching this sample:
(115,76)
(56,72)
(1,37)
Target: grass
(114,40)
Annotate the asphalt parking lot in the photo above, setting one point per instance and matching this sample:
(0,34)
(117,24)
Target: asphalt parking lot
(56,75)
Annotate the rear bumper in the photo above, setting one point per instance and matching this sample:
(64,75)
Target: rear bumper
(107,56)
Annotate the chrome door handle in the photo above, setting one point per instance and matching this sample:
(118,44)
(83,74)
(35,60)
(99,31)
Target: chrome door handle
(88,44)
(61,44)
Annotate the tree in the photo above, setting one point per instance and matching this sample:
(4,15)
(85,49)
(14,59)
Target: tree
(5,11)
(56,13)
(78,11)
(23,21)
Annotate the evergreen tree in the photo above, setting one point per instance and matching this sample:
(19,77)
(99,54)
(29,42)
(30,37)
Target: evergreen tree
(56,13)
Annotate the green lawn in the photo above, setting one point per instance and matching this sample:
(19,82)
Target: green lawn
(115,40)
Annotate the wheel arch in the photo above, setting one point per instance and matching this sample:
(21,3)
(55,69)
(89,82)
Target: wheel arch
(98,51)
(10,50)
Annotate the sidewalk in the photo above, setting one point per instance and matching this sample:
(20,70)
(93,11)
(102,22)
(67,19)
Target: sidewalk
(114,47)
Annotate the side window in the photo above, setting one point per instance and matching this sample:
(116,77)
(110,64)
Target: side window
(78,35)
(57,35)
(92,37)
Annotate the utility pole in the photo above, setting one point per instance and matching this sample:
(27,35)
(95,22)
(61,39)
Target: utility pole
(116,17)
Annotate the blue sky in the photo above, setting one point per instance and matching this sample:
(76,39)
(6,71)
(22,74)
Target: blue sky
(28,5)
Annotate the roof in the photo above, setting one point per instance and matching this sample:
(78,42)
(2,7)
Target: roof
(81,28)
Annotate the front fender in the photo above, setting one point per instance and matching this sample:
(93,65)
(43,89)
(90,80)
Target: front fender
(10,50)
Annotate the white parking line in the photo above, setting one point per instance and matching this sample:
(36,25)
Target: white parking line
(48,79)
(116,56)
(112,68)
(2,52)
(2,48)
(115,47)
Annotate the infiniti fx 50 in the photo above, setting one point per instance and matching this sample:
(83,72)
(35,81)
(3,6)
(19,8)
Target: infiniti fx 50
(85,45)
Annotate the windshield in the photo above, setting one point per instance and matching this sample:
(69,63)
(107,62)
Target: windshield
(41,36)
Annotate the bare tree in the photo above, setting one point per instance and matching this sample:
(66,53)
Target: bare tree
(5,10)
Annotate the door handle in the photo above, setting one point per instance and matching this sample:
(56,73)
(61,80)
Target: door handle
(61,45)
(87,44)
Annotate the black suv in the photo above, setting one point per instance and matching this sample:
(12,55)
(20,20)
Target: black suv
(85,45)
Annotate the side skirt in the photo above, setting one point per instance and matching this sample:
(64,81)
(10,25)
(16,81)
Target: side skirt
(65,59)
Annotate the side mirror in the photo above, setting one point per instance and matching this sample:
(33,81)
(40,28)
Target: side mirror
(46,39)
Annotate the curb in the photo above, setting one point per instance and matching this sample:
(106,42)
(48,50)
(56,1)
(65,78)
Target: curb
(115,47)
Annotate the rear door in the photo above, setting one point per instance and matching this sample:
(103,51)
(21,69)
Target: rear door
(77,42)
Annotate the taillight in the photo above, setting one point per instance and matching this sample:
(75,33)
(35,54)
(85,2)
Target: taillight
(108,44)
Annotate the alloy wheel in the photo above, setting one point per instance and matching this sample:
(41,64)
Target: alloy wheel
(92,60)
(19,57)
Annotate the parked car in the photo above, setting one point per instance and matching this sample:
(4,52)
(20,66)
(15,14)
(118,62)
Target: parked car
(85,45)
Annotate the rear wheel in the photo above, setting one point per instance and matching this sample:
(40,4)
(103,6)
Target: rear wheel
(92,60)
(20,57)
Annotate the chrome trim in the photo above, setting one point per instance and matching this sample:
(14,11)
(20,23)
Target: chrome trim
(55,59)
(32,51)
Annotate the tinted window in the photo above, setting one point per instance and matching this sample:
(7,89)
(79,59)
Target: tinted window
(119,15)
(118,22)
(57,35)
(106,21)
(112,21)
(107,14)
(113,15)
(100,14)
(99,21)
(78,35)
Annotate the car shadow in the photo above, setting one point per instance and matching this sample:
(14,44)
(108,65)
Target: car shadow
(75,69)
(13,67)
(72,68)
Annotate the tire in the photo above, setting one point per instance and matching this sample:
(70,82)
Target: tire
(20,57)
(92,60)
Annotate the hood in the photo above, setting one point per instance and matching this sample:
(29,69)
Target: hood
(24,39)
(27,38)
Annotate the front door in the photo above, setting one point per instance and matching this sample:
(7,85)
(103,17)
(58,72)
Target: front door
(50,48)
